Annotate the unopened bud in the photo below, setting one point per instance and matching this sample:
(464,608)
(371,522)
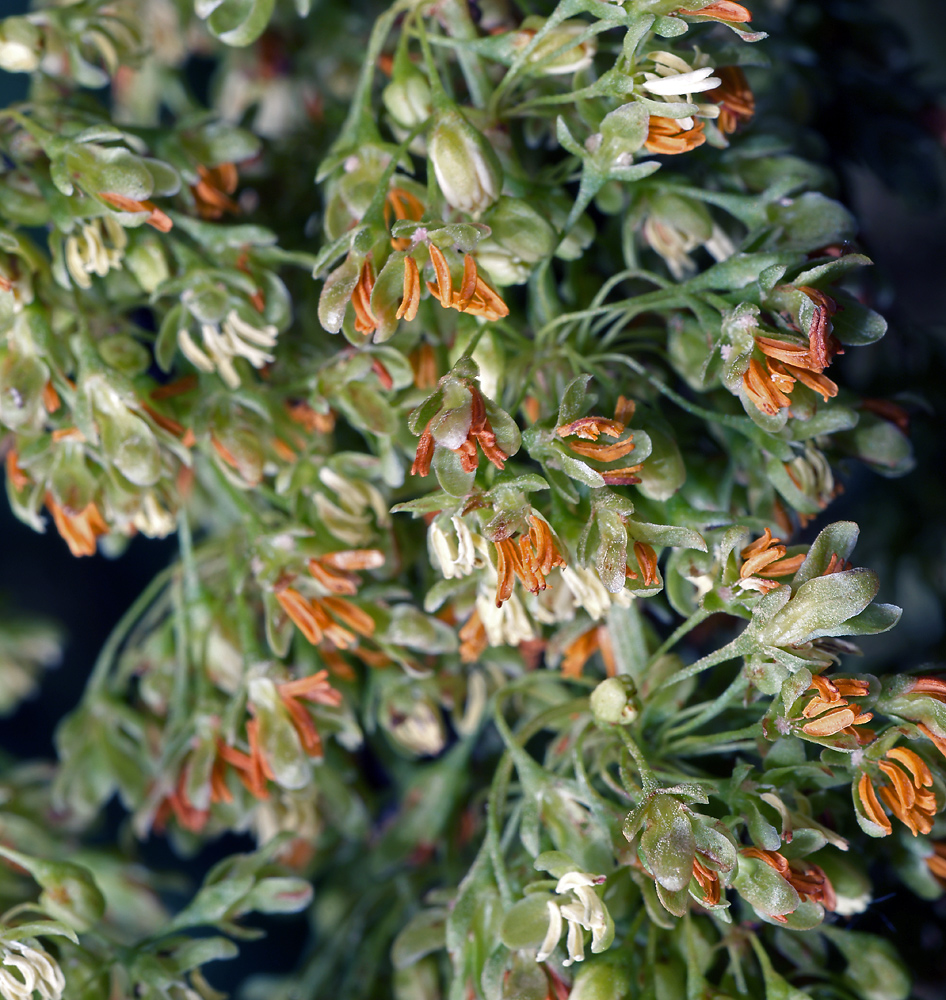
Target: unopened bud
(601,980)
(20,45)
(465,164)
(147,263)
(407,98)
(567,58)
(614,701)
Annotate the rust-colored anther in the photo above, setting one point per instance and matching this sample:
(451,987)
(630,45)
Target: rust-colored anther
(156,218)
(667,136)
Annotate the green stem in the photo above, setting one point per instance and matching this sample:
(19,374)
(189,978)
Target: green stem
(649,781)
(125,624)
(729,652)
(456,16)
(711,709)
(698,617)
(689,744)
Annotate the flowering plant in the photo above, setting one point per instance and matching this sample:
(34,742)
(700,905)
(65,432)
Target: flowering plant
(495,617)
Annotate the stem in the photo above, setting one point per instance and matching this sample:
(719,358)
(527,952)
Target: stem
(456,17)
(729,652)
(125,624)
(692,745)
(712,708)
(698,617)
(649,781)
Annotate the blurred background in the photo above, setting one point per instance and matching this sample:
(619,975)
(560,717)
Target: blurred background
(876,103)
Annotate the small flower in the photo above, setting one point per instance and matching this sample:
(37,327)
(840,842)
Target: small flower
(735,98)
(222,345)
(79,530)
(531,561)
(580,651)
(588,430)
(335,570)
(766,389)
(936,862)
(766,558)
(788,362)
(36,971)
(584,911)
(455,559)
(473,639)
(822,344)
(317,690)
(211,192)
(670,84)
(708,881)
(88,252)
(829,711)
(474,297)
(906,795)
(553,51)
(313,617)
(401,204)
(805,877)
(505,625)
(669,136)
(480,432)
(647,561)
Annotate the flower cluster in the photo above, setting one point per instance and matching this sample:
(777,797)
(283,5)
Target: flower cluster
(490,458)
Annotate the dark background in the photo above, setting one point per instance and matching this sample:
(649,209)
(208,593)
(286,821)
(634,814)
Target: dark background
(903,521)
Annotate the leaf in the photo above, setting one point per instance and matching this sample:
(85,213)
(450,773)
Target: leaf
(573,399)
(278,895)
(579,470)
(526,922)
(820,607)
(450,474)
(667,535)
(240,22)
(837,539)
(213,903)
(424,934)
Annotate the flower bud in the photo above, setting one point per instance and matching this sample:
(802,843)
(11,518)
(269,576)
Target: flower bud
(668,843)
(20,45)
(601,980)
(614,701)
(414,721)
(407,98)
(125,354)
(520,238)
(147,262)
(466,167)
(565,58)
